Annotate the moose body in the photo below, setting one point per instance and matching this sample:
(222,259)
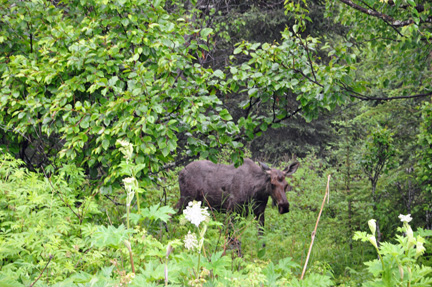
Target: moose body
(226,188)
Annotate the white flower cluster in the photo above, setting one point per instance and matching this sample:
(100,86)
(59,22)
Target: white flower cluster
(195,214)
(190,241)
(131,184)
(412,241)
(408,242)
(405,218)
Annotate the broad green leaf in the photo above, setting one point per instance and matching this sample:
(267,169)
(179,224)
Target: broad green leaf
(225,115)
(205,32)
(110,236)
(219,74)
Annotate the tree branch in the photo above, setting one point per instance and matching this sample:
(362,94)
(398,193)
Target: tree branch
(257,129)
(390,20)
(394,28)
(308,55)
(301,73)
(365,98)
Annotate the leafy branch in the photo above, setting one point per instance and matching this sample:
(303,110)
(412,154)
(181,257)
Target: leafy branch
(388,19)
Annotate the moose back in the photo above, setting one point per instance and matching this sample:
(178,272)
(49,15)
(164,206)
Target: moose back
(226,188)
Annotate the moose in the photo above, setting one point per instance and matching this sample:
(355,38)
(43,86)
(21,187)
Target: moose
(227,188)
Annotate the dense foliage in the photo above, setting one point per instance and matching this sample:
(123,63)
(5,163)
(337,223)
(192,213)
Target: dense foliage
(103,101)
(93,72)
(45,231)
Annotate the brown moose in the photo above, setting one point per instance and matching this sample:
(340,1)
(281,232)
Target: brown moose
(226,188)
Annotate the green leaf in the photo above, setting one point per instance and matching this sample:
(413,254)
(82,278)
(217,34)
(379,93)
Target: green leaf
(157,212)
(252,91)
(219,74)
(165,151)
(172,144)
(125,22)
(110,236)
(6,282)
(225,115)
(205,32)
(105,144)
(112,81)
(237,50)
(412,3)
(85,122)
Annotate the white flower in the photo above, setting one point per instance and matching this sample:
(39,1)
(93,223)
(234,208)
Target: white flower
(131,184)
(405,218)
(190,241)
(372,226)
(129,180)
(195,214)
(372,240)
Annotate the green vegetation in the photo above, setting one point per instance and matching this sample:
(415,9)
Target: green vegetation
(102,102)
(47,231)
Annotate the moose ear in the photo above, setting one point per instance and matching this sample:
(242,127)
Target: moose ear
(264,167)
(292,168)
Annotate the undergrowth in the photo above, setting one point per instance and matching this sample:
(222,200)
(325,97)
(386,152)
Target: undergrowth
(60,230)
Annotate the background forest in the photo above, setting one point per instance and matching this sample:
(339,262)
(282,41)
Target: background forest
(103,102)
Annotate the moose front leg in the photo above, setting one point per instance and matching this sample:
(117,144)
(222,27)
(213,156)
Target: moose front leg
(261,227)
(259,214)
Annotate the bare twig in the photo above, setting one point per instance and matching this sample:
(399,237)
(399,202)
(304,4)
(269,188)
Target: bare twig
(50,258)
(366,98)
(112,200)
(326,195)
